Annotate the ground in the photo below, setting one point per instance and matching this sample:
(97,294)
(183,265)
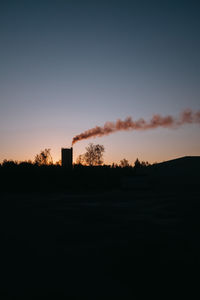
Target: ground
(97,245)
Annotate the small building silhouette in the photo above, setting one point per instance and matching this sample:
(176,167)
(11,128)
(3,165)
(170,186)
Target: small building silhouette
(67,157)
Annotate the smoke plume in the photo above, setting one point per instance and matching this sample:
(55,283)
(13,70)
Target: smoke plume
(186,117)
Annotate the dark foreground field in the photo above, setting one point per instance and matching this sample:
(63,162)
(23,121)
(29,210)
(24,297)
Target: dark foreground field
(107,245)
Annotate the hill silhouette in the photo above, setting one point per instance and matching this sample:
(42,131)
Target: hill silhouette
(187,165)
(180,172)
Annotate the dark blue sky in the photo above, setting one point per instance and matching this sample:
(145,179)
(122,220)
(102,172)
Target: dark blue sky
(66,66)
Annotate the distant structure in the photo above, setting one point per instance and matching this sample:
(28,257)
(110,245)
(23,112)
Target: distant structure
(67,157)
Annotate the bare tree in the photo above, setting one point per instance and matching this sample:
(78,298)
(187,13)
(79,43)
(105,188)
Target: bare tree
(124,163)
(80,159)
(94,155)
(44,158)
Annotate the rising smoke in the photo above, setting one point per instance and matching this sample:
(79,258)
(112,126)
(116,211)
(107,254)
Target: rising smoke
(186,117)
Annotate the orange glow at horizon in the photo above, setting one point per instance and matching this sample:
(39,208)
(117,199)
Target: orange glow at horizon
(146,146)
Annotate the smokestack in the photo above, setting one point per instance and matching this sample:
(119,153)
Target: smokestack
(67,157)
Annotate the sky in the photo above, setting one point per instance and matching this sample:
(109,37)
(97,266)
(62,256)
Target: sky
(67,66)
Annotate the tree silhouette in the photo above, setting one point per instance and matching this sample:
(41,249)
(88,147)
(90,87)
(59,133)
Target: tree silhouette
(124,163)
(94,155)
(44,158)
(80,159)
(137,164)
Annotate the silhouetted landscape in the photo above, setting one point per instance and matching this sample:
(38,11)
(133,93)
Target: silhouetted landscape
(99,149)
(100,232)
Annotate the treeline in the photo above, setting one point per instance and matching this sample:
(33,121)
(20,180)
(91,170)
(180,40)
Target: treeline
(29,164)
(27,176)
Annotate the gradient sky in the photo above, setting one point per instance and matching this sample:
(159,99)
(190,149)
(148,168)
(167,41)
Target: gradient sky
(67,66)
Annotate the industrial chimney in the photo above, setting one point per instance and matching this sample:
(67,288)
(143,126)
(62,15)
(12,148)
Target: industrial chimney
(67,157)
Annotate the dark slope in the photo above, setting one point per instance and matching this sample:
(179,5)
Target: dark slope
(182,165)
(181,172)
